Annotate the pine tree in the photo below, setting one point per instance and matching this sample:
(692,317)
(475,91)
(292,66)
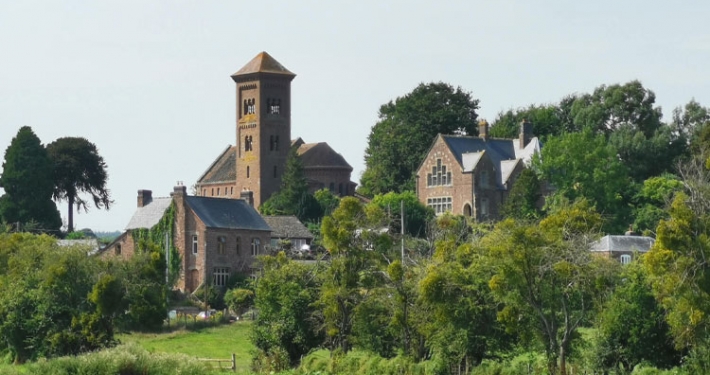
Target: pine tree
(27,180)
(293,198)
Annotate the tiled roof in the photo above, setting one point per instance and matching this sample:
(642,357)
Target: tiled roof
(150,214)
(223,169)
(623,243)
(263,63)
(287,227)
(320,155)
(226,213)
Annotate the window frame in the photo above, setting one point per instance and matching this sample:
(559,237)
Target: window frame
(195,245)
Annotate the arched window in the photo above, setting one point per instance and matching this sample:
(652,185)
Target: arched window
(625,259)
(255,243)
(340,189)
(221,245)
(332,187)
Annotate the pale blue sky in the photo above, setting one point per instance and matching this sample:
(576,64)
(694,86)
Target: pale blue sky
(148,82)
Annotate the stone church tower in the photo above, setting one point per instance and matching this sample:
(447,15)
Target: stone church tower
(263,127)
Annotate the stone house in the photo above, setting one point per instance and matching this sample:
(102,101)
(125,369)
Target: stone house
(288,228)
(256,162)
(622,247)
(472,176)
(214,237)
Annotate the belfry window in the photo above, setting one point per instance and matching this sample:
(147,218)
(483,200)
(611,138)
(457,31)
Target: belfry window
(439,176)
(273,106)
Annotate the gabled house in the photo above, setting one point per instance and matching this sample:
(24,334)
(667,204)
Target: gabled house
(288,228)
(622,248)
(214,237)
(472,176)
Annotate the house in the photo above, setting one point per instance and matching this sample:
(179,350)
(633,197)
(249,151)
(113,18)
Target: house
(214,237)
(622,247)
(288,228)
(472,176)
(91,245)
(257,160)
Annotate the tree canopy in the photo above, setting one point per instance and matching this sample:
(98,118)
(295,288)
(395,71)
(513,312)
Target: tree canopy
(78,168)
(27,180)
(405,130)
(293,197)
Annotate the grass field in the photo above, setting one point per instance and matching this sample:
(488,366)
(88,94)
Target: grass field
(209,342)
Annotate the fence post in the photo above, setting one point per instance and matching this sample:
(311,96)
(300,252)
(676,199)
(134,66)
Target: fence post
(234,362)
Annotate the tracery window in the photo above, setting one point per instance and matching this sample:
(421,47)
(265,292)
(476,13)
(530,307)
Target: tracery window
(439,176)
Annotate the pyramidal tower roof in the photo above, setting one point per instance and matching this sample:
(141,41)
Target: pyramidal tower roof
(263,63)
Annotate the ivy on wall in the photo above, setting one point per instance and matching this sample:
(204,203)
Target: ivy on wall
(156,235)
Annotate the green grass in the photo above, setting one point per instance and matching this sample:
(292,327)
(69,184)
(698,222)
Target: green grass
(210,342)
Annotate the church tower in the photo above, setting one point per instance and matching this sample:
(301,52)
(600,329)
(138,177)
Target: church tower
(263,126)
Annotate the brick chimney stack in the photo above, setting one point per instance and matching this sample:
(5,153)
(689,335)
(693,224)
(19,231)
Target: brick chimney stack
(525,133)
(483,129)
(144,197)
(248,196)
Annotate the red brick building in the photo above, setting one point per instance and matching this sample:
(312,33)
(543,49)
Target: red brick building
(472,176)
(215,238)
(257,161)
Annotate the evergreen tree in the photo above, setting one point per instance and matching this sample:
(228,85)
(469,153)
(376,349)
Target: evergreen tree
(27,180)
(524,196)
(293,198)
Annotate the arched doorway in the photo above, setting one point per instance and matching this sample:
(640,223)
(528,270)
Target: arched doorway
(467,210)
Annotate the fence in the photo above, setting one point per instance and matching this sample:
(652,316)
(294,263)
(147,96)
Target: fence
(232,361)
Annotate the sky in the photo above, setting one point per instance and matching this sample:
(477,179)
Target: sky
(149,82)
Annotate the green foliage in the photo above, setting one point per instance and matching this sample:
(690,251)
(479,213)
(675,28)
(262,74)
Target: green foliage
(75,236)
(547,120)
(632,327)
(293,197)
(584,165)
(327,200)
(405,130)
(522,201)
(652,199)
(155,239)
(239,300)
(359,362)
(78,168)
(416,214)
(27,181)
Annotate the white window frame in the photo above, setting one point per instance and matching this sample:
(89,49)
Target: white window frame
(625,259)
(440,204)
(195,243)
(220,276)
(255,244)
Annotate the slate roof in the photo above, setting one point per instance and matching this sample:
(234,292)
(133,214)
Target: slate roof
(503,153)
(287,227)
(321,155)
(263,63)
(150,214)
(226,213)
(223,169)
(619,243)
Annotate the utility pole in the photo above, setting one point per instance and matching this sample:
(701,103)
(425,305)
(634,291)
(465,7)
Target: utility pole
(401,206)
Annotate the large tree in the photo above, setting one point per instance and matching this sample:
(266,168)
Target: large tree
(293,197)
(78,168)
(405,130)
(27,180)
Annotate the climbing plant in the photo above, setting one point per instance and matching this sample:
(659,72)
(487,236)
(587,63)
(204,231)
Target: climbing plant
(156,235)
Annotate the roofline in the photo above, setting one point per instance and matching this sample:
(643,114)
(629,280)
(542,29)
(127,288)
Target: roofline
(213,163)
(431,146)
(349,168)
(240,228)
(115,240)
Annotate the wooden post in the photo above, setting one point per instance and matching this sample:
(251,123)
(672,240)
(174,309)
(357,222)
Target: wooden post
(234,362)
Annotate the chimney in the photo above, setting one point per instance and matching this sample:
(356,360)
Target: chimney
(525,133)
(483,129)
(144,197)
(248,196)
(179,190)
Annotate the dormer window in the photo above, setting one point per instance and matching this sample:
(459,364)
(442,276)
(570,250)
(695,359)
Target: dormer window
(439,175)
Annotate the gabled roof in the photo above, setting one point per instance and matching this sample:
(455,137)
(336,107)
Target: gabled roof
(263,63)
(321,155)
(223,169)
(150,214)
(226,213)
(287,227)
(469,160)
(614,243)
(506,169)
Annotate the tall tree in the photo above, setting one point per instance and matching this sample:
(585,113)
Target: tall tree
(293,197)
(78,168)
(405,130)
(546,119)
(27,180)
(522,202)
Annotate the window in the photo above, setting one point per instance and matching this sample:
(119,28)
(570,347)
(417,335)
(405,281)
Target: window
(625,259)
(484,207)
(484,179)
(218,192)
(271,143)
(118,249)
(247,171)
(255,243)
(274,171)
(439,204)
(239,245)
(194,245)
(439,176)
(340,189)
(220,276)
(231,190)
(276,143)
(221,245)
(297,243)
(212,192)
(332,187)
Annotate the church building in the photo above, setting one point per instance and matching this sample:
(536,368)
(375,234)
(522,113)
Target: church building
(252,168)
